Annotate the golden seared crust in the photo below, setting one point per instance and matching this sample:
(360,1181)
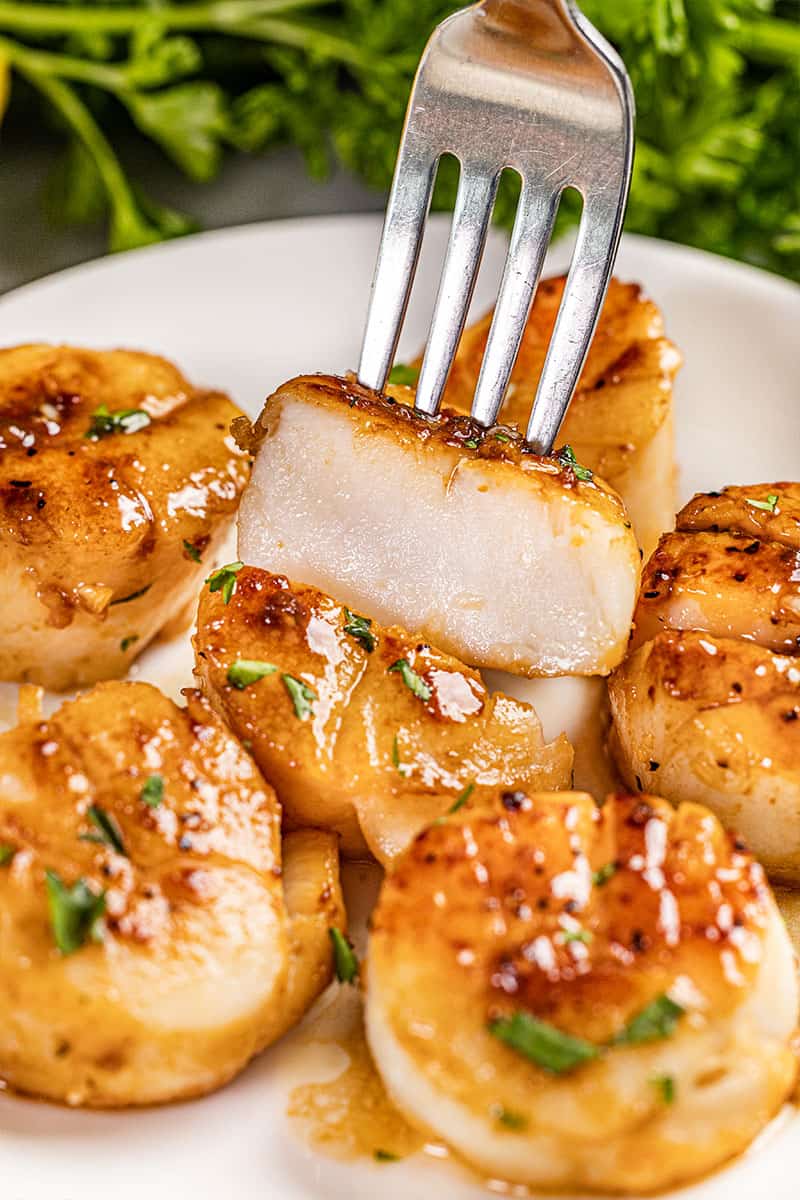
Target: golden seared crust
(726,583)
(622,403)
(103,539)
(203,959)
(375,413)
(729,511)
(373,760)
(547,909)
(716,720)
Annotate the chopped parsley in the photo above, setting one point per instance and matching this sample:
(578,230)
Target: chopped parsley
(359,628)
(502,437)
(472,443)
(396,757)
(577,935)
(666,1087)
(245,671)
(505,1116)
(224,580)
(302,696)
(414,682)
(152,793)
(403,374)
(128,641)
(769,505)
(462,799)
(75,913)
(131,596)
(656,1021)
(344,956)
(385,1156)
(124,420)
(108,831)
(567,459)
(192,551)
(6,854)
(602,875)
(543,1044)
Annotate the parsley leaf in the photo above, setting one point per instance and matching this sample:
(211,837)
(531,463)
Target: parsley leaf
(656,1021)
(133,596)
(6,853)
(462,799)
(511,1120)
(400,373)
(359,628)
(602,875)
(75,912)
(385,1156)
(128,641)
(192,551)
(124,420)
(108,830)
(224,580)
(245,671)
(577,935)
(666,1087)
(152,793)
(344,956)
(543,1044)
(567,459)
(302,696)
(414,682)
(769,505)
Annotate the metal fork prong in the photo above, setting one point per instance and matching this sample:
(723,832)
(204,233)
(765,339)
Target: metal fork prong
(583,297)
(396,266)
(531,234)
(473,210)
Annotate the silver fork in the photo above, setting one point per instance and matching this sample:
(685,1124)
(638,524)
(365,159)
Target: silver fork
(523,84)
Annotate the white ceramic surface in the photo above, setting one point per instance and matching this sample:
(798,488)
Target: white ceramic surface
(245,309)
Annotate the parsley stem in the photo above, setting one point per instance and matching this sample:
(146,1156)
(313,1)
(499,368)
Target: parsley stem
(768,40)
(219,16)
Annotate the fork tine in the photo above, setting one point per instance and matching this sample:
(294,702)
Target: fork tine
(476,193)
(396,265)
(583,297)
(532,228)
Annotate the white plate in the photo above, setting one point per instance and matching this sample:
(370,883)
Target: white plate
(244,309)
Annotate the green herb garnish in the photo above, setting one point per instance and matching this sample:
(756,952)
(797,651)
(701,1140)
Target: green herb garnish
(472,443)
(152,793)
(769,505)
(124,420)
(401,373)
(132,595)
(359,628)
(414,682)
(666,1087)
(511,1120)
(192,551)
(302,696)
(344,956)
(128,641)
(224,580)
(108,830)
(6,854)
(543,1044)
(462,799)
(576,935)
(385,1156)
(602,875)
(502,437)
(396,757)
(75,913)
(656,1021)
(245,671)
(567,459)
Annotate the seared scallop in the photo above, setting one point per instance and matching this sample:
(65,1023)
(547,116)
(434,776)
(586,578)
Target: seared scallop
(620,421)
(583,997)
(707,704)
(362,729)
(496,555)
(151,944)
(118,483)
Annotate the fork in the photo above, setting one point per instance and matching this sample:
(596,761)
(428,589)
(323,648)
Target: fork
(532,86)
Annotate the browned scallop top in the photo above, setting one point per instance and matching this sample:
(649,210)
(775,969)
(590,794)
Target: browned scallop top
(209,808)
(731,568)
(576,914)
(375,413)
(68,479)
(628,349)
